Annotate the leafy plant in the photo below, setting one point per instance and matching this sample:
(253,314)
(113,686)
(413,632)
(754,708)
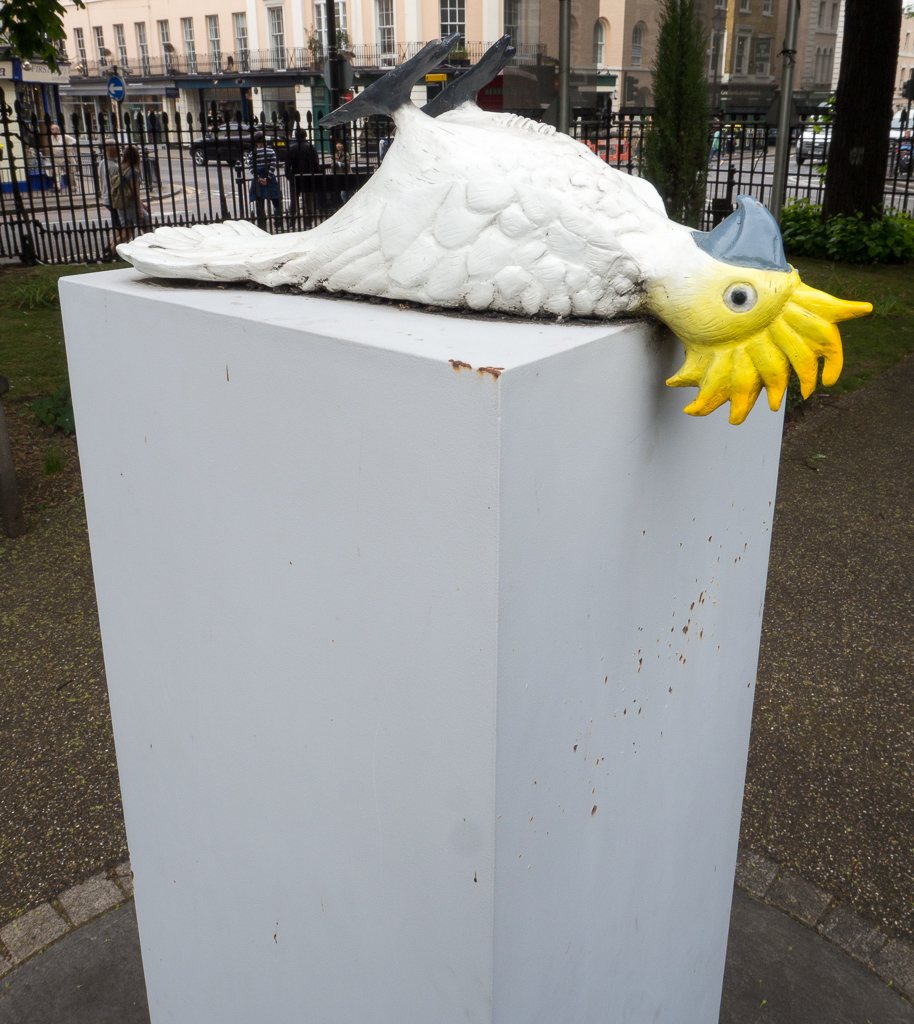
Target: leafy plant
(676,147)
(31,28)
(56,411)
(888,238)
(40,295)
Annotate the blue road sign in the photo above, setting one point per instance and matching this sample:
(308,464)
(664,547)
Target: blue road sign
(116,88)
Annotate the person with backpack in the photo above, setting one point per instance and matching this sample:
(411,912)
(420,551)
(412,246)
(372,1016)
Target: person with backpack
(261,164)
(302,165)
(124,195)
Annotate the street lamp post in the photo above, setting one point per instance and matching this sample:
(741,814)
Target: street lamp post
(563,118)
(718,23)
(782,146)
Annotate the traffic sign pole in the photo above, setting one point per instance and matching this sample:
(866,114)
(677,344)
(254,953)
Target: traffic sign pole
(117,91)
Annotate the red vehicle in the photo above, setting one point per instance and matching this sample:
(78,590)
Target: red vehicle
(613,151)
(513,89)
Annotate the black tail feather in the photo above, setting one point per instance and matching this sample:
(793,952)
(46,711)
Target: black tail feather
(468,84)
(391,91)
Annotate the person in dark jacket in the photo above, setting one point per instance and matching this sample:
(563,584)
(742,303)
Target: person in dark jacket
(302,164)
(261,165)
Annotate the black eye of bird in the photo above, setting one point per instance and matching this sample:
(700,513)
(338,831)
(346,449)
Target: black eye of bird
(740,297)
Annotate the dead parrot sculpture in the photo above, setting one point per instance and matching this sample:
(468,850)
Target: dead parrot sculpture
(496,212)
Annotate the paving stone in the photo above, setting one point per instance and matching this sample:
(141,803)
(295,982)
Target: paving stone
(32,931)
(754,873)
(5,966)
(123,875)
(852,933)
(799,897)
(895,962)
(83,902)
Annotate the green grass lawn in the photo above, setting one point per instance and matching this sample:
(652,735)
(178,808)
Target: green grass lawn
(32,353)
(878,341)
(33,357)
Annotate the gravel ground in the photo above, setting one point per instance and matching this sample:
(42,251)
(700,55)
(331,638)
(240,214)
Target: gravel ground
(60,804)
(829,785)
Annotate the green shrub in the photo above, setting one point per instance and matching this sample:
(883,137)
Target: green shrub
(888,238)
(56,411)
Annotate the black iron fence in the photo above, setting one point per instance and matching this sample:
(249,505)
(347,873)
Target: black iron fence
(54,182)
(741,160)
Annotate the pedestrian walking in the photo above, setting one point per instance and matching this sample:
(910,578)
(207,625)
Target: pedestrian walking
(302,164)
(261,164)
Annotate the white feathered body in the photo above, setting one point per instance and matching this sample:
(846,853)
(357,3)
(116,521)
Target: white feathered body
(470,209)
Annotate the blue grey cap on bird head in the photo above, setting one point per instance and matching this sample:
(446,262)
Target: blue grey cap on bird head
(749,237)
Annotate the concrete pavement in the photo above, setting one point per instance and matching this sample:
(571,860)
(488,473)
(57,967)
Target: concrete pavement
(779,969)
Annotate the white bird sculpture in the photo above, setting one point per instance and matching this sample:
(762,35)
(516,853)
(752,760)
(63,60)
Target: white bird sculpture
(496,212)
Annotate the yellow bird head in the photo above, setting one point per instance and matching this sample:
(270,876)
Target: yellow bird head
(745,317)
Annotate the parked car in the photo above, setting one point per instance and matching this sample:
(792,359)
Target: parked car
(813,142)
(229,143)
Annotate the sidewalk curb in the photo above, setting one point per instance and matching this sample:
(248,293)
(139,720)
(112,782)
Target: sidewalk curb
(33,931)
(892,960)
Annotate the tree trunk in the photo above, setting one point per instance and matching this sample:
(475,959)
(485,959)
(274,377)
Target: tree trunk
(863,108)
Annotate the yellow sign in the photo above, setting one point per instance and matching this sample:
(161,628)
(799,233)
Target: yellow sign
(436,78)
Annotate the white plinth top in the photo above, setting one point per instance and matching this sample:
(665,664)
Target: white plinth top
(477,340)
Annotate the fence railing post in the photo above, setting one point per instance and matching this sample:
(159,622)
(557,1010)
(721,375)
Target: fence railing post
(27,253)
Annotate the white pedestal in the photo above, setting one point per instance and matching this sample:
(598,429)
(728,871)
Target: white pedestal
(431,688)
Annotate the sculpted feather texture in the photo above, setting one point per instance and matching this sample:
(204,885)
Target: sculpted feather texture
(495,212)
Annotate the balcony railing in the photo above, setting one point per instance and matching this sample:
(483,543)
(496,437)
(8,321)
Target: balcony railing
(299,58)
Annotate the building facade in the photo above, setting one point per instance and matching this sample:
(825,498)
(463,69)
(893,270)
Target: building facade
(267,56)
(904,71)
(818,61)
(742,45)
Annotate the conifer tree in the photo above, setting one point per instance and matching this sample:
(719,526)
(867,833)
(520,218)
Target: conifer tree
(676,144)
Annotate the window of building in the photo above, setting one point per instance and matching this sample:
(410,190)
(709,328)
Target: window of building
(190,45)
(745,6)
(907,41)
(720,4)
(453,17)
(717,51)
(240,28)
(165,42)
(599,43)
(79,42)
(121,43)
(762,56)
(512,20)
(101,52)
(739,55)
(213,41)
(823,66)
(834,15)
(142,47)
(279,101)
(637,43)
(320,23)
(387,34)
(822,7)
(277,30)
(768,7)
